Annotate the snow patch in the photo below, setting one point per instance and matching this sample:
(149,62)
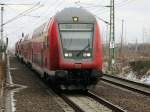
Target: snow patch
(146,80)
(132,76)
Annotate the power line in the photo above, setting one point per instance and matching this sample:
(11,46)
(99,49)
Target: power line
(28,16)
(12,9)
(54,3)
(4,4)
(54,8)
(3,46)
(95,15)
(124,3)
(32,16)
(23,13)
(89,4)
(117,5)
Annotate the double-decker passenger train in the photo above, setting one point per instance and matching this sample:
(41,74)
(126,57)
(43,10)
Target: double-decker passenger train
(66,50)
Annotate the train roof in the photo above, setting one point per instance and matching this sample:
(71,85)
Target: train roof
(66,15)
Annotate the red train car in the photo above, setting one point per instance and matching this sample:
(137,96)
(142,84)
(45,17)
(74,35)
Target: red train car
(18,49)
(66,50)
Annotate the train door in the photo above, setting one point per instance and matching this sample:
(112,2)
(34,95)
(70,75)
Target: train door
(46,49)
(42,57)
(46,53)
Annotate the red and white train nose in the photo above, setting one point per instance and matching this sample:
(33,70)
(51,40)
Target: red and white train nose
(66,49)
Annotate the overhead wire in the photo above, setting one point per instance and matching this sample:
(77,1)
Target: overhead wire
(29,10)
(97,16)
(124,3)
(11,9)
(95,6)
(118,5)
(90,5)
(14,4)
(53,9)
(23,13)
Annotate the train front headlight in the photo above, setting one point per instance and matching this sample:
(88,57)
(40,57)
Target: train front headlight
(66,54)
(88,54)
(70,54)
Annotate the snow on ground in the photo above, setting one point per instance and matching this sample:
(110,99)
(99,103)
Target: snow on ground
(132,76)
(146,80)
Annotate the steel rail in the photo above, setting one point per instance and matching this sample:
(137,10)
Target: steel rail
(106,103)
(71,103)
(78,108)
(127,84)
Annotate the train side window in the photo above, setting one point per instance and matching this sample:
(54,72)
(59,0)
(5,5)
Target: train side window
(46,43)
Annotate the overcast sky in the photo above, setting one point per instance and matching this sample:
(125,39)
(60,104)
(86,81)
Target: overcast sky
(135,14)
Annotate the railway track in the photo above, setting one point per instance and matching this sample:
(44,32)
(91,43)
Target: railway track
(108,104)
(80,102)
(76,102)
(127,84)
(71,103)
(90,98)
(89,102)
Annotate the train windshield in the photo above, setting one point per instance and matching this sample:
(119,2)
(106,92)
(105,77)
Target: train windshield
(76,37)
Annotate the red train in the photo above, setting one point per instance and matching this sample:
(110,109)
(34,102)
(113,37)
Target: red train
(66,50)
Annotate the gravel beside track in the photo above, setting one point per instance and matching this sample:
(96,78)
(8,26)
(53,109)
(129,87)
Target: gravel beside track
(33,95)
(131,85)
(88,104)
(128,100)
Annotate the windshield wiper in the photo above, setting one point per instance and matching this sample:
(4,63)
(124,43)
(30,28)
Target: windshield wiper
(87,46)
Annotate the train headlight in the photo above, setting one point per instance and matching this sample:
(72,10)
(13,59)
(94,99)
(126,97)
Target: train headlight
(75,19)
(66,54)
(70,54)
(88,54)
